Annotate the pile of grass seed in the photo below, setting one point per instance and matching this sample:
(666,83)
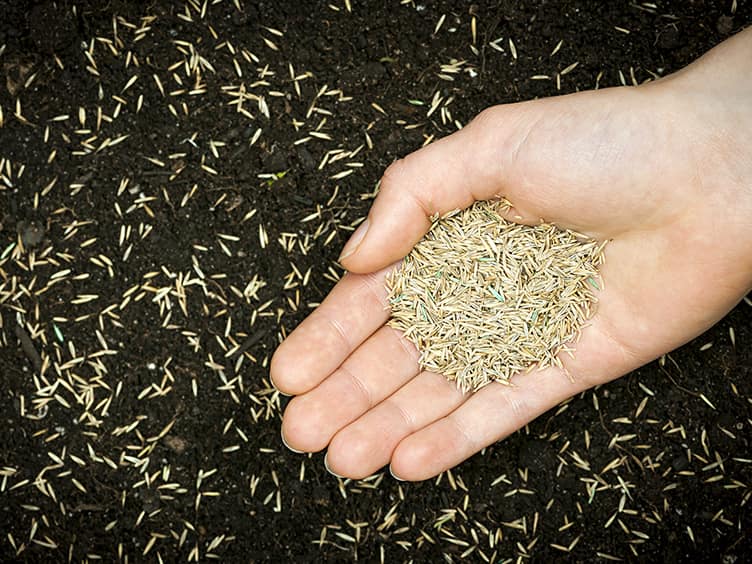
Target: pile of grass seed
(483,298)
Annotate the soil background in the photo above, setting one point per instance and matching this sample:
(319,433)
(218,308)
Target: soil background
(176,182)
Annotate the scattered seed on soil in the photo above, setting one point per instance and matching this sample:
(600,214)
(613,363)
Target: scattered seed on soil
(174,194)
(483,298)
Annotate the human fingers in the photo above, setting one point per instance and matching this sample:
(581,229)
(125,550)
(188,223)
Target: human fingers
(366,445)
(354,309)
(428,407)
(378,367)
(489,415)
(497,410)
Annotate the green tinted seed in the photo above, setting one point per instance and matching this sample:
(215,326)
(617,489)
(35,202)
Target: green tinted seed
(477,318)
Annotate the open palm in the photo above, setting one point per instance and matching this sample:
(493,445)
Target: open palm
(656,170)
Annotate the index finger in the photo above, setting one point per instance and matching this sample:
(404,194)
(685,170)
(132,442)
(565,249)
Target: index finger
(354,309)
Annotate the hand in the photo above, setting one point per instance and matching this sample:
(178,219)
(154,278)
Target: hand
(664,170)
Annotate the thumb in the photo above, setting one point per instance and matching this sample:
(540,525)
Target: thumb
(570,158)
(451,173)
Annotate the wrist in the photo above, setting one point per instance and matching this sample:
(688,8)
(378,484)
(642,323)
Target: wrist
(711,102)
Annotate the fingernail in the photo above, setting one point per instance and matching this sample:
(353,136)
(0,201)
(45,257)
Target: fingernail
(355,240)
(326,465)
(395,475)
(284,442)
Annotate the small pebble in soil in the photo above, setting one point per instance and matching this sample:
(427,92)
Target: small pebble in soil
(31,233)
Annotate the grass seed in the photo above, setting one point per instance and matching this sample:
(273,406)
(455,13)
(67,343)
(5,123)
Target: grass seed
(483,298)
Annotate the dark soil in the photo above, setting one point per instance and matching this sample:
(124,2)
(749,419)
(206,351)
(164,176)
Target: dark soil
(129,247)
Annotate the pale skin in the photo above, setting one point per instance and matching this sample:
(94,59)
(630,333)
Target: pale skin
(663,170)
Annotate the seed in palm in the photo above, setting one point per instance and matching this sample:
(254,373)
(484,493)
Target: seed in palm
(483,298)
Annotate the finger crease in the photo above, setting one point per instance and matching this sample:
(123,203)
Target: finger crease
(364,390)
(372,285)
(421,204)
(408,347)
(522,142)
(340,331)
(628,354)
(406,417)
(465,435)
(515,404)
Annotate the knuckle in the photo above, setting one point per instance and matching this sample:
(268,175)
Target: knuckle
(394,185)
(481,119)
(391,174)
(486,118)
